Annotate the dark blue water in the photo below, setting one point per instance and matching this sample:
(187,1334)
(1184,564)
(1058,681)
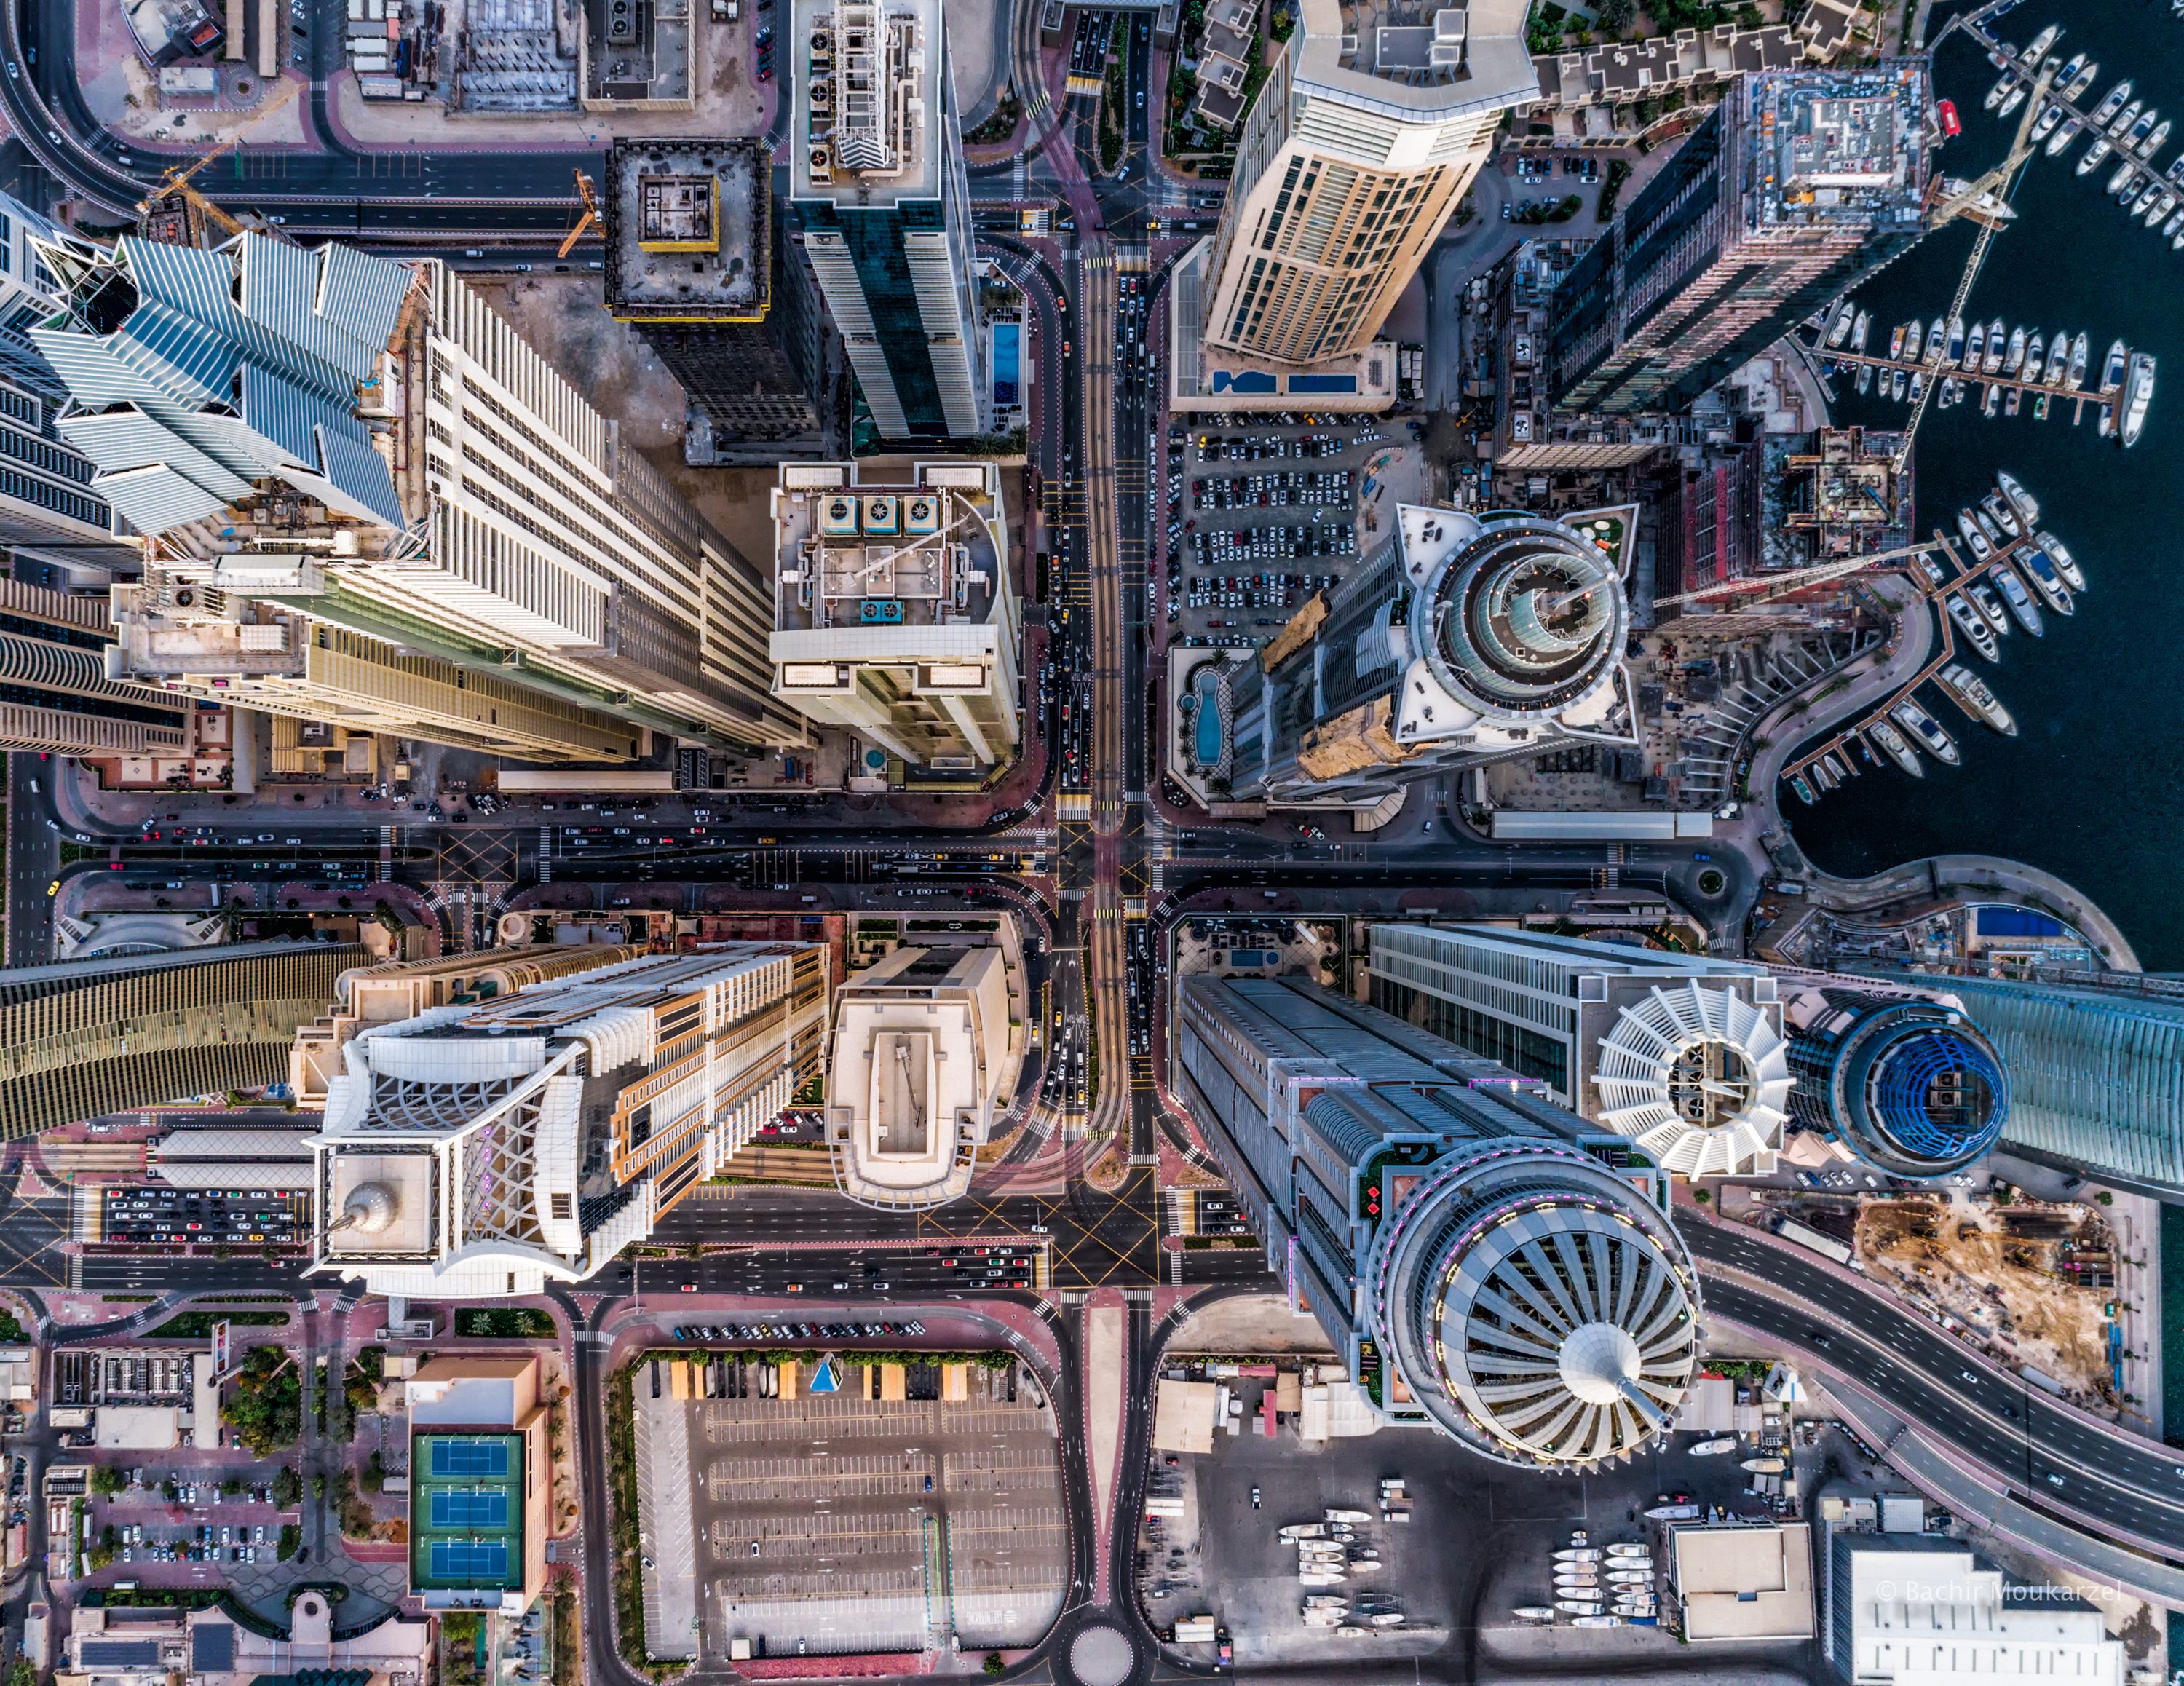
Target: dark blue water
(2092,787)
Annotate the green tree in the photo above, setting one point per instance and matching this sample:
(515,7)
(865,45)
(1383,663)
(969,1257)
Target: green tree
(291,1537)
(107,1481)
(104,1553)
(1615,16)
(288,1488)
(994,1663)
(265,1406)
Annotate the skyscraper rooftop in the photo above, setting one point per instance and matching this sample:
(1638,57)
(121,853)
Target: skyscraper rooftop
(689,231)
(868,123)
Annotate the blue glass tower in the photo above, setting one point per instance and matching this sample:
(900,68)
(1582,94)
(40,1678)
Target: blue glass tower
(1915,1087)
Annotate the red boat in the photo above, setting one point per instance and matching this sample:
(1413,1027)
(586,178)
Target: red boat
(1950,125)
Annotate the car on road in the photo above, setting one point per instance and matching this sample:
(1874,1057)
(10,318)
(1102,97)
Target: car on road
(690,1287)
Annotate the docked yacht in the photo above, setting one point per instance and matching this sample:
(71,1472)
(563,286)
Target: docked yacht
(2060,141)
(2013,359)
(1858,331)
(2076,78)
(2064,563)
(1984,599)
(2076,376)
(1973,625)
(1969,692)
(1893,746)
(2040,42)
(1935,335)
(2019,600)
(1918,385)
(2010,405)
(2111,102)
(1823,775)
(2093,155)
(1988,403)
(1991,363)
(2128,129)
(1839,326)
(1896,344)
(1926,731)
(2112,371)
(2125,174)
(2034,351)
(2144,200)
(1896,386)
(1914,340)
(1987,526)
(1628,1550)
(1804,791)
(2152,144)
(2137,397)
(2045,580)
(2001,515)
(2045,125)
(1865,378)
(1841,766)
(1954,356)
(2059,358)
(1973,348)
(2016,98)
(1981,546)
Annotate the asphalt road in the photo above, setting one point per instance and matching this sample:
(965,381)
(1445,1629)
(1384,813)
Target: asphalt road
(2053,1458)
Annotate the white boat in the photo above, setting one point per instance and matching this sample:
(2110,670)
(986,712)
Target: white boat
(1321,1577)
(1533,1612)
(2120,129)
(1981,547)
(1987,526)
(1388,1618)
(2126,173)
(1804,795)
(1993,397)
(2034,349)
(2152,143)
(2111,102)
(1577,1554)
(1969,692)
(2014,359)
(1762,1466)
(1923,727)
(1579,1607)
(1644,1552)
(1973,625)
(2138,398)
(1990,361)
(1628,1607)
(1826,780)
(1325,1618)
(2112,370)
(1630,1578)
(1839,324)
(1955,353)
(2145,201)
(2078,83)
(2019,600)
(1858,330)
(1896,344)
(2059,358)
(2101,147)
(2065,564)
(2021,500)
(2044,125)
(2045,580)
(2003,517)
(1973,348)
(1915,340)
(1353,1633)
(2060,141)
(1999,92)
(1304,1531)
(2076,376)
(2014,98)
(1865,378)
(1896,386)
(1598,1622)
(1715,1447)
(1893,746)
(1983,599)
(1326,1601)
(2166,204)
(1353,1517)
(1367,1568)
(2041,43)
(2175,221)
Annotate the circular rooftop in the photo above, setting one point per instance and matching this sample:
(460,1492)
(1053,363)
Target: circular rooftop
(1537,1307)
(1926,1097)
(1697,1076)
(1524,618)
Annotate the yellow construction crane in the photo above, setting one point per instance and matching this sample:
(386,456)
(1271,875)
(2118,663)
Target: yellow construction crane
(177,180)
(591,214)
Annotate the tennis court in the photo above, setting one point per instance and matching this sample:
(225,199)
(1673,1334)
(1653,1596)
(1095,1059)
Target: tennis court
(457,1509)
(456,1457)
(469,1560)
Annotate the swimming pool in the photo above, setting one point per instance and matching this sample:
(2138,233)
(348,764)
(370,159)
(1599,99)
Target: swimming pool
(1205,685)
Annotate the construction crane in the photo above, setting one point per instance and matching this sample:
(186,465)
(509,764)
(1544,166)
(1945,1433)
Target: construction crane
(591,216)
(1776,585)
(1987,203)
(178,181)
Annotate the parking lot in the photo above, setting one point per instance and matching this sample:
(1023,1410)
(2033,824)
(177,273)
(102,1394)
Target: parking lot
(1261,512)
(800,1521)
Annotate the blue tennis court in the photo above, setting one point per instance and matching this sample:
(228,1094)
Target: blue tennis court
(469,1457)
(458,1507)
(470,1560)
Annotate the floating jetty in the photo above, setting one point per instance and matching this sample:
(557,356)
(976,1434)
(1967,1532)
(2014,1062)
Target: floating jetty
(2005,367)
(2008,549)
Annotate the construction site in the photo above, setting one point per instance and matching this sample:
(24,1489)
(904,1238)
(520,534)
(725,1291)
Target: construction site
(2029,1281)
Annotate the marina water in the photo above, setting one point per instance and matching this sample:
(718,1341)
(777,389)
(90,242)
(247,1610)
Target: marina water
(2092,788)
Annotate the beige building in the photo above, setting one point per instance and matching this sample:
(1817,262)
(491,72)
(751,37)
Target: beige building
(1742,1580)
(495,1139)
(926,1049)
(896,614)
(162,1647)
(1368,130)
(481,1483)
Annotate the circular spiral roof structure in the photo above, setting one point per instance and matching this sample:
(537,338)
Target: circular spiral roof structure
(1537,1306)
(1920,1095)
(1523,619)
(1697,1076)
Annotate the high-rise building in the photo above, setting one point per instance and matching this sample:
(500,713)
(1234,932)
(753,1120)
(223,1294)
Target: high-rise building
(1369,127)
(692,264)
(369,441)
(87,1038)
(1682,1054)
(196,642)
(1710,1067)
(926,1048)
(1899,1075)
(54,692)
(1795,187)
(1481,1272)
(2095,1075)
(502,1138)
(895,612)
(882,198)
(1455,641)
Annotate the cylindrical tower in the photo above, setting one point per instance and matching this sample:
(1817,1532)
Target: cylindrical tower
(1539,1308)
(1915,1088)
